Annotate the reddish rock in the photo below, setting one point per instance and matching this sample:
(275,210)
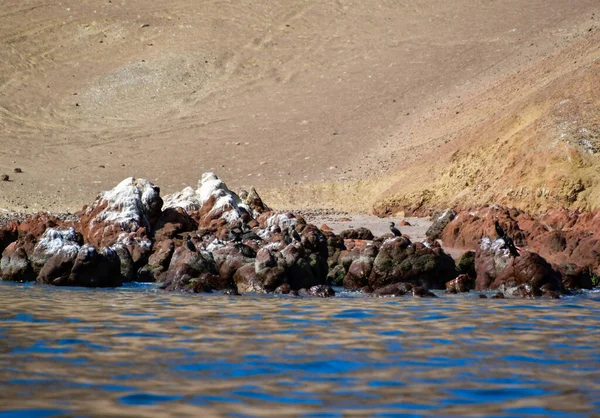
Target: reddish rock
(194,271)
(185,283)
(351,244)
(32,228)
(255,203)
(212,205)
(358,273)
(127,214)
(462,284)
(8,234)
(468,227)
(232,257)
(15,265)
(247,280)
(496,267)
(360,269)
(326,227)
(560,236)
(162,253)
(172,222)
(357,234)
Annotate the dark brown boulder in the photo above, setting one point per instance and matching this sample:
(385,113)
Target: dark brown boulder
(462,284)
(320,291)
(172,222)
(247,280)
(358,273)
(574,277)
(421,292)
(161,254)
(126,265)
(185,283)
(267,270)
(194,271)
(232,257)
(15,265)
(393,290)
(284,289)
(398,260)
(57,269)
(8,234)
(297,267)
(94,268)
(357,233)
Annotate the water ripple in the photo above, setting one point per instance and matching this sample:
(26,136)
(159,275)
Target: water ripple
(138,352)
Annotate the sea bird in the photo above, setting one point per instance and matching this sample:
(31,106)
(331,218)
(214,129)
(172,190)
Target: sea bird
(395,230)
(507,240)
(296,235)
(190,245)
(235,235)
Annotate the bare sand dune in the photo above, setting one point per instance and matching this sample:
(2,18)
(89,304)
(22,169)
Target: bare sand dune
(319,104)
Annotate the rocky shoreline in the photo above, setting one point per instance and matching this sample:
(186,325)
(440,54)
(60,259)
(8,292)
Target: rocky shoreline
(212,239)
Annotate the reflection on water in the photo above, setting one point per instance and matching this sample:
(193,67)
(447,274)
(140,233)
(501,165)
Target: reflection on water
(138,352)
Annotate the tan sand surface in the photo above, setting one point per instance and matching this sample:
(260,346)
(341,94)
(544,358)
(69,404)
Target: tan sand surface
(318,104)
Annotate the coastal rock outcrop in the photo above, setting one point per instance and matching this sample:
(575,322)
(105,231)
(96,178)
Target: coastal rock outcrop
(126,215)
(117,214)
(496,268)
(561,237)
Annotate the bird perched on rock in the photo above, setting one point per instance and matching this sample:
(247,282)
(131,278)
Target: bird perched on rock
(190,245)
(507,240)
(286,237)
(395,230)
(235,234)
(296,235)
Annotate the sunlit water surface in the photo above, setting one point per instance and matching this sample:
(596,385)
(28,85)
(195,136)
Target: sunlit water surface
(136,351)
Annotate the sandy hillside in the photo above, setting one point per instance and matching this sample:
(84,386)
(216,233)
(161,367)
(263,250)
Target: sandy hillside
(353,105)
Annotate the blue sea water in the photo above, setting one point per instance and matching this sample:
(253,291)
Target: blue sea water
(137,351)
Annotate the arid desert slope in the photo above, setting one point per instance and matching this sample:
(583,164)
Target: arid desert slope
(375,105)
